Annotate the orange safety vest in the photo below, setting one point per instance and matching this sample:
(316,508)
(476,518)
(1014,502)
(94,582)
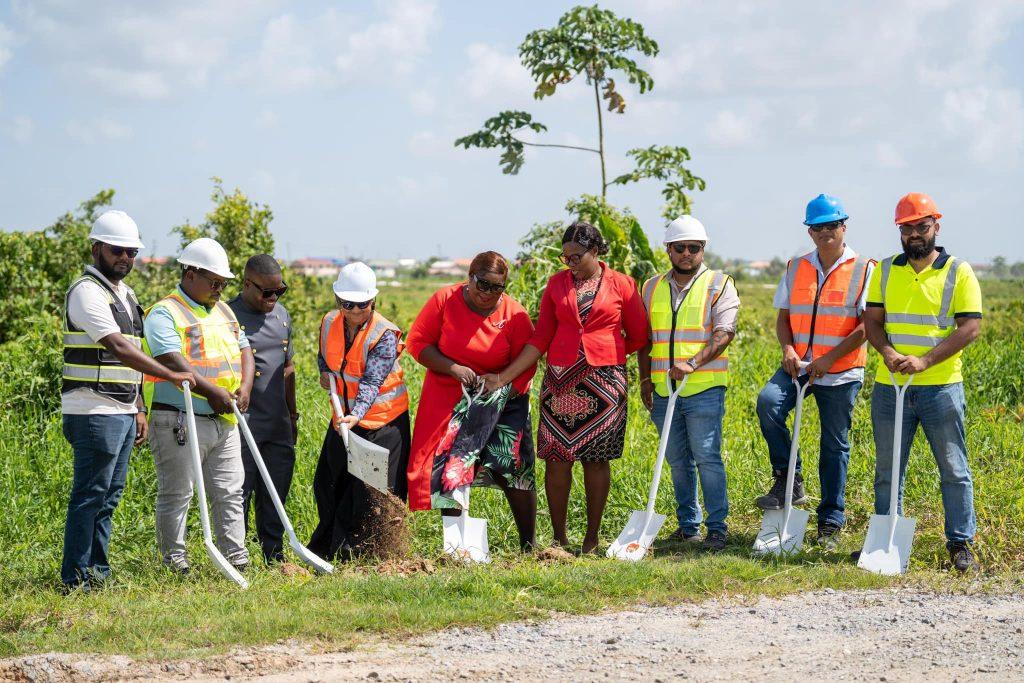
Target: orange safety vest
(392,400)
(822,315)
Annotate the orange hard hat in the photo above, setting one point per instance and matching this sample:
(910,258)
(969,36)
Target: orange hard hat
(915,206)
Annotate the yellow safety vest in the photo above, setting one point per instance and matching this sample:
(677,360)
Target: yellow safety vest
(680,334)
(917,316)
(209,342)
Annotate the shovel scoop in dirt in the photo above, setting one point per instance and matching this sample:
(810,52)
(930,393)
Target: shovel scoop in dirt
(304,553)
(887,546)
(367,461)
(636,539)
(782,531)
(465,537)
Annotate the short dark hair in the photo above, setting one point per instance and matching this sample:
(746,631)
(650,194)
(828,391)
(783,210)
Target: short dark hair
(263,264)
(585,235)
(488,262)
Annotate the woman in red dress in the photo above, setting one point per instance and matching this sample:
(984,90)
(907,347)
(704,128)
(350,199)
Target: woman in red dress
(463,332)
(591,318)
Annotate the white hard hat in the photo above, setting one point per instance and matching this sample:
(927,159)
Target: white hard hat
(116,228)
(356,282)
(685,227)
(206,253)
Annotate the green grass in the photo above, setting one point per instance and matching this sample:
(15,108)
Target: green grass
(144,612)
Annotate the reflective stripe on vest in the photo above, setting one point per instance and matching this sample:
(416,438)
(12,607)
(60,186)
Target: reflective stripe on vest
(822,315)
(925,329)
(347,367)
(681,333)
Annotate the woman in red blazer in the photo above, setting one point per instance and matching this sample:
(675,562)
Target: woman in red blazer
(591,318)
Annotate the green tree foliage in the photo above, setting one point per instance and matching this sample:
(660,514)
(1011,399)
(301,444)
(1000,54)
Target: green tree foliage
(596,45)
(241,226)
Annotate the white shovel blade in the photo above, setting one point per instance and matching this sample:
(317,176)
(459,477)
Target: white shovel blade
(368,462)
(223,565)
(877,556)
(636,539)
(465,537)
(311,558)
(774,540)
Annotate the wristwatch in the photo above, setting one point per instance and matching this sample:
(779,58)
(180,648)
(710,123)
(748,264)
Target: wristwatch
(692,364)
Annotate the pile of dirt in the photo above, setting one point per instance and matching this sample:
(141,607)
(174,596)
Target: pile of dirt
(384,533)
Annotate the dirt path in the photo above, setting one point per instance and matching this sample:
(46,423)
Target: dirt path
(863,636)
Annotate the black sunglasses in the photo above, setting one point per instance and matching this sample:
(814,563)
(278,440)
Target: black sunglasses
(267,293)
(215,285)
(120,251)
(571,259)
(918,228)
(349,305)
(488,287)
(827,226)
(681,248)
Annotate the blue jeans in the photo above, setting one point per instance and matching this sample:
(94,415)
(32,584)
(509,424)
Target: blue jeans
(101,445)
(695,449)
(835,410)
(939,409)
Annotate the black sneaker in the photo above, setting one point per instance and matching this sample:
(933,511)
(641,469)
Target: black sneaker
(714,542)
(961,556)
(775,499)
(828,536)
(179,569)
(680,536)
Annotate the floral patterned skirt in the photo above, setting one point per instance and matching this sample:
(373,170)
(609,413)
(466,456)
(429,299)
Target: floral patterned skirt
(489,442)
(582,412)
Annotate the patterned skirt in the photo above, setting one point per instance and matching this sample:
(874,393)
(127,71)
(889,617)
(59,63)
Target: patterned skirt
(582,413)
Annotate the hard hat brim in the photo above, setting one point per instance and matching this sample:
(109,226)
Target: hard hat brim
(118,241)
(917,217)
(223,273)
(828,218)
(357,297)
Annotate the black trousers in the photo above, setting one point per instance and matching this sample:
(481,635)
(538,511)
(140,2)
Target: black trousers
(342,500)
(279,457)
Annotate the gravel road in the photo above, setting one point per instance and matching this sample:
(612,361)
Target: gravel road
(890,635)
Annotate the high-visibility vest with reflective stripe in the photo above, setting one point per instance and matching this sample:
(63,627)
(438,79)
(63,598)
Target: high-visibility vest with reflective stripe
(681,333)
(89,364)
(915,324)
(209,342)
(392,400)
(822,315)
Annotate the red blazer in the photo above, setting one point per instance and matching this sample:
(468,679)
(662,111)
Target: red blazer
(617,325)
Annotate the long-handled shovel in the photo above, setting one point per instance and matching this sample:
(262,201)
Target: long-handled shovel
(197,464)
(887,545)
(782,531)
(366,461)
(304,553)
(465,537)
(635,540)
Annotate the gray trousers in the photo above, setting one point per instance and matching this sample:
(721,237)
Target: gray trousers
(220,451)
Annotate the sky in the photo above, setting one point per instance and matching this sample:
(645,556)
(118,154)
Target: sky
(342,117)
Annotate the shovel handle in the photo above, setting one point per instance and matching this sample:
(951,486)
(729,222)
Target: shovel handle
(336,404)
(666,425)
(897,453)
(471,398)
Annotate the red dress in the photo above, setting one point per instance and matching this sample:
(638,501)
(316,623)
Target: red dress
(483,344)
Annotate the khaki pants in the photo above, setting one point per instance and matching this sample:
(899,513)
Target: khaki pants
(221,454)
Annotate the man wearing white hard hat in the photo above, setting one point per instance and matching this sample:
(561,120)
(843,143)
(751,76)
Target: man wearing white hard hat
(820,327)
(692,311)
(192,330)
(103,414)
(359,350)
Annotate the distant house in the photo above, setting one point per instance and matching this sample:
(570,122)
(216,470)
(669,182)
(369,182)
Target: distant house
(316,267)
(756,268)
(456,268)
(384,268)
(154,260)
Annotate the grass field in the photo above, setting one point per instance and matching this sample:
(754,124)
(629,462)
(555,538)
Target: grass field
(145,612)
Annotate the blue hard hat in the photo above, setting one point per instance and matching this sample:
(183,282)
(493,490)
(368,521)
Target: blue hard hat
(825,209)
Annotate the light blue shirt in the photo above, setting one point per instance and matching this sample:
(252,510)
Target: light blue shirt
(162,337)
(781,301)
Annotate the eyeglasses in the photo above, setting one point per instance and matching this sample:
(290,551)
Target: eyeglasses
(571,259)
(267,293)
(488,287)
(826,226)
(215,285)
(681,248)
(349,305)
(916,228)
(120,251)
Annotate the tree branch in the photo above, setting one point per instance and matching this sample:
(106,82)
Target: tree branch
(543,144)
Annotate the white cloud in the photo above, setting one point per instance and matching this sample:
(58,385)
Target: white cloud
(493,72)
(393,46)
(6,45)
(887,156)
(21,129)
(732,129)
(411,189)
(422,101)
(990,120)
(266,119)
(144,84)
(97,131)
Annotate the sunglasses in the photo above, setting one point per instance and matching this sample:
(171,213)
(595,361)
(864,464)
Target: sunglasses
(826,226)
(215,285)
(121,251)
(267,293)
(488,287)
(919,229)
(681,248)
(571,259)
(349,305)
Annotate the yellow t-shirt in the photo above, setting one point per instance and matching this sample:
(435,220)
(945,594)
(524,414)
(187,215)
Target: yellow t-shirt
(924,290)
